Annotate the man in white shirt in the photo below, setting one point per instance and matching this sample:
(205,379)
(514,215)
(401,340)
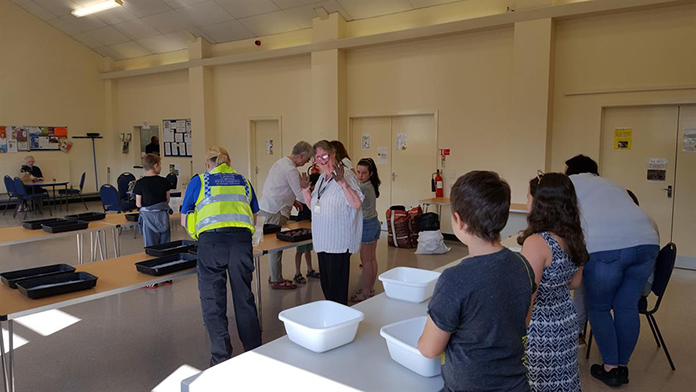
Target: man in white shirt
(280,192)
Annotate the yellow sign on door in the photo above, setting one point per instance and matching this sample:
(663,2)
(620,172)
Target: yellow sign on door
(622,138)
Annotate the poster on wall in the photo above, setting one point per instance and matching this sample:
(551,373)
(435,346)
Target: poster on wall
(366,141)
(382,155)
(176,135)
(3,139)
(657,170)
(401,141)
(689,140)
(269,147)
(34,138)
(622,138)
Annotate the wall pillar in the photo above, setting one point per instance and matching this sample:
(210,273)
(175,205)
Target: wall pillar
(202,101)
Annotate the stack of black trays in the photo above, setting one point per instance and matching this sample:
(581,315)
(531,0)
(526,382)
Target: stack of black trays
(87,216)
(49,280)
(167,264)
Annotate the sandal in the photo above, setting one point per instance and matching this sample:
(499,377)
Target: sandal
(281,280)
(283,285)
(299,279)
(358,297)
(313,274)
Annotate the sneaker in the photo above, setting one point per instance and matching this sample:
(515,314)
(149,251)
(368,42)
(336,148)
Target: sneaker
(152,286)
(299,279)
(623,372)
(167,283)
(313,274)
(581,341)
(612,378)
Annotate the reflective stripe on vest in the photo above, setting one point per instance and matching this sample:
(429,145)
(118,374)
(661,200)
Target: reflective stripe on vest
(223,201)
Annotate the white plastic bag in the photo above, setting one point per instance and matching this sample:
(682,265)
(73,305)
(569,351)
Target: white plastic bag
(431,243)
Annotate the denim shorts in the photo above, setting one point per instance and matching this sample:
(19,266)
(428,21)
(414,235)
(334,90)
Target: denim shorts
(371,230)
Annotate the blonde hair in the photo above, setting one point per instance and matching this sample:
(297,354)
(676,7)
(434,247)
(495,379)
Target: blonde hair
(217,155)
(28,157)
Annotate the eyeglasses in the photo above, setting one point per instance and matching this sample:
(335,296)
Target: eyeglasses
(322,157)
(539,175)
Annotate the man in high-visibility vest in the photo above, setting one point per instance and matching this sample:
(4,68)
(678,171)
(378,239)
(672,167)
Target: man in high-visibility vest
(219,209)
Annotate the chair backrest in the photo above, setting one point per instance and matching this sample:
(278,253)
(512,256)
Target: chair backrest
(173,179)
(109,198)
(663,268)
(122,182)
(19,187)
(9,185)
(82,181)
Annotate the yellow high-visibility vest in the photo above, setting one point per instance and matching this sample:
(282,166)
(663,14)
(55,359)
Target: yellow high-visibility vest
(224,201)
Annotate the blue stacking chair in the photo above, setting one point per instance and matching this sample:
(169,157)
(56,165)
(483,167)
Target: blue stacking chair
(9,186)
(22,195)
(109,198)
(73,193)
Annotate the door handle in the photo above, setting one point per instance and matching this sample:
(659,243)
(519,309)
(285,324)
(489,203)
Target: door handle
(669,191)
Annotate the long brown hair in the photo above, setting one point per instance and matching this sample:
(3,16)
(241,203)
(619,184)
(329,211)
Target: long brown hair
(555,209)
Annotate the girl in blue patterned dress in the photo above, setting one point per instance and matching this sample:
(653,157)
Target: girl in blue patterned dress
(554,245)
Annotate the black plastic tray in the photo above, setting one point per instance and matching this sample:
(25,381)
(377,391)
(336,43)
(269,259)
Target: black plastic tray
(36,224)
(87,216)
(58,284)
(132,217)
(270,228)
(167,264)
(170,248)
(12,277)
(62,227)
(305,234)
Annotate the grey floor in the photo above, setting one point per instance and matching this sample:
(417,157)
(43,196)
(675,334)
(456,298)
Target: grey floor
(132,341)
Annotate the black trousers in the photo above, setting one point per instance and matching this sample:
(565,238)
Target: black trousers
(223,255)
(334,270)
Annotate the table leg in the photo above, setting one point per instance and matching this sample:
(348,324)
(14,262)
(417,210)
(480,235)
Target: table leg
(7,358)
(117,241)
(10,324)
(92,251)
(259,308)
(5,375)
(80,248)
(105,254)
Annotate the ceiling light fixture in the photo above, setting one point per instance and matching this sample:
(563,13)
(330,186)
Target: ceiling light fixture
(97,7)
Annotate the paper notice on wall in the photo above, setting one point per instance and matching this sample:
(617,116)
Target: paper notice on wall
(622,138)
(179,137)
(12,146)
(401,141)
(269,147)
(382,155)
(189,149)
(167,149)
(366,141)
(689,140)
(657,170)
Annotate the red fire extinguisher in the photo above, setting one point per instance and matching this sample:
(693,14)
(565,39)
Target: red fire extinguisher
(436,184)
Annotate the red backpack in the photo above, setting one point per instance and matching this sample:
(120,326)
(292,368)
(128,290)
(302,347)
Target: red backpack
(402,227)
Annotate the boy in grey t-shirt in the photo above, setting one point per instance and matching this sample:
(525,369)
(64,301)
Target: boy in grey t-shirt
(477,315)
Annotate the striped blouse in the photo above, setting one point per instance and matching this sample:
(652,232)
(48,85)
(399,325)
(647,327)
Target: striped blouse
(336,227)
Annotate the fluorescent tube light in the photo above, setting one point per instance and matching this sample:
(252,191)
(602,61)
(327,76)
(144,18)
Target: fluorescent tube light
(97,7)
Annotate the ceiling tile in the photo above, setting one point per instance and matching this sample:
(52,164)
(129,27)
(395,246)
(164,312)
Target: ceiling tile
(143,8)
(130,50)
(182,3)
(303,15)
(228,31)
(204,14)
(181,35)
(109,36)
(428,3)
(162,44)
(116,15)
(137,29)
(21,2)
(58,7)
(168,22)
(64,26)
(284,4)
(360,9)
(88,40)
(39,11)
(85,23)
(108,52)
(244,8)
(267,24)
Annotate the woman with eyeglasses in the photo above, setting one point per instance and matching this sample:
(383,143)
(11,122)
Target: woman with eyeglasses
(336,205)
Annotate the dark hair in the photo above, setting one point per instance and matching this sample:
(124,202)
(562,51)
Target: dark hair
(324,145)
(555,209)
(633,197)
(152,139)
(581,164)
(150,160)
(369,163)
(314,178)
(340,149)
(534,185)
(482,200)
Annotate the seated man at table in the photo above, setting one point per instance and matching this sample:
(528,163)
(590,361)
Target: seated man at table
(31,173)
(478,312)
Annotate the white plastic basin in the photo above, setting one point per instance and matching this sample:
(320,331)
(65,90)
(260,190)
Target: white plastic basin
(402,342)
(409,284)
(322,325)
